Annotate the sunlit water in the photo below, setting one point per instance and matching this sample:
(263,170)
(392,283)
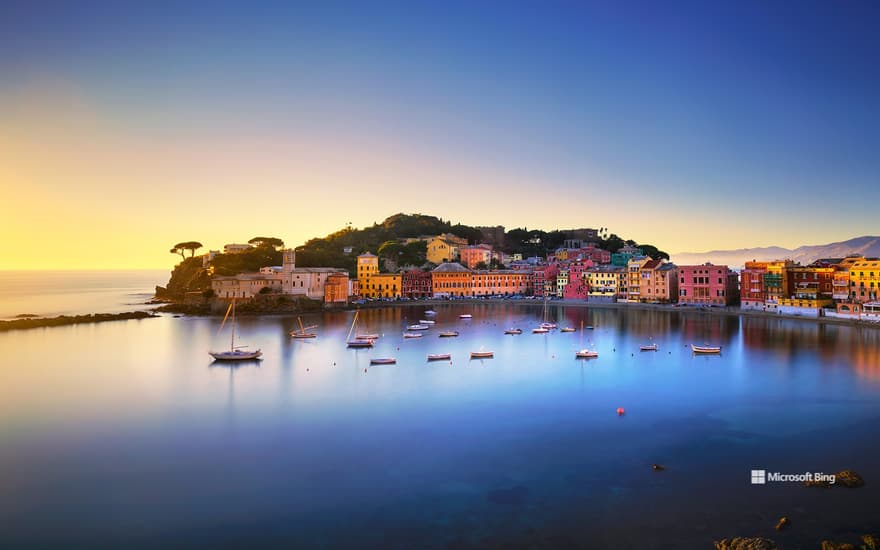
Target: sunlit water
(76,292)
(125,434)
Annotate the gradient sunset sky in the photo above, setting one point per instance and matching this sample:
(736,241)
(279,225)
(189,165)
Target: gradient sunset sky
(126,127)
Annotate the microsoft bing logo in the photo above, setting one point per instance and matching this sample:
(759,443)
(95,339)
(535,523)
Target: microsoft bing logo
(759,477)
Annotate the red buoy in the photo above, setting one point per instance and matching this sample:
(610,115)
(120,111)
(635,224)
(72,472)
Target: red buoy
(620,411)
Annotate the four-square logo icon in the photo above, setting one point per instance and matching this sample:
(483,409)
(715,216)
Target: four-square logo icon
(759,477)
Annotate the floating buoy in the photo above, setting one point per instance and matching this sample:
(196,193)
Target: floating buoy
(307,370)
(620,411)
(658,467)
(334,363)
(365,370)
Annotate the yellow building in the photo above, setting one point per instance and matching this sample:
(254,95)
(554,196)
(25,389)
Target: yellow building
(385,285)
(864,280)
(634,278)
(604,282)
(444,248)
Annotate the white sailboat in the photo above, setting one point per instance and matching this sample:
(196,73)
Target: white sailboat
(303,331)
(358,342)
(235,353)
(545,326)
(585,353)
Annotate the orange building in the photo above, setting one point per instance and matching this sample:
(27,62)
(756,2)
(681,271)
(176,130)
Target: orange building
(499,283)
(451,279)
(336,288)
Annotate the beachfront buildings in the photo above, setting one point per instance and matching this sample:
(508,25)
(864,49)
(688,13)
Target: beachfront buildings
(604,283)
(506,282)
(416,283)
(707,284)
(864,279)
(285,279)
(451,280)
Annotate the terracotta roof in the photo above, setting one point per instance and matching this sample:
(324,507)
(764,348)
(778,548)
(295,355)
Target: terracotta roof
(651,264)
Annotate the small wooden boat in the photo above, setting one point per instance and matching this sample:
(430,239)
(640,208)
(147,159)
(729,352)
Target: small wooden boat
(482,354)
(360,343)
(412,335)
(430,312)
(513,331)
(540,330)
(586,354)
(705,349)
(427,322)
(303,331)
(548,325)
(449,334)
(383,361)
(439,356)
(567,329)
(418,327)
(651,347)
(465,316)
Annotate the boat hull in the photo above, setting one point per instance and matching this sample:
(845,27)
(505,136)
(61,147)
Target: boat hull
(586,354)
(482,354)
(411,335)
(299,336)
(647,348)
(448,334)
(235,355)
(360,343)
(383,361)
(706,349)
(440,357)
(513,331)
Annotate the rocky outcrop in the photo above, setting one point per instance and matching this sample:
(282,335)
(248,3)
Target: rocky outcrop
(745,543)
(829,545)
(848,478)
(38,322)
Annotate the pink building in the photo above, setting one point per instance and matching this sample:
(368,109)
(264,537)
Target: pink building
(473,255)
(577,288)
(707,284)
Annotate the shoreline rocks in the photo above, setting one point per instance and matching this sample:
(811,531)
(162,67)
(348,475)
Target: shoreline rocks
(745,543)
(64,320)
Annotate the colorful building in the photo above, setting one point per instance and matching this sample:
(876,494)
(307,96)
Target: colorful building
(367,267)
(864,280)
(337,288)
(416,283)
(707,284)
(603,282)
(578,288)
(444,248)
(499,283)
(451,280)
(245,285)
(634,278)
(472,256)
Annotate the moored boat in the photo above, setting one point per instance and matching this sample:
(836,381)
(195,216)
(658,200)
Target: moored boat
(567,329)
(303,331)
(482,354)
(412,335)
(705,349)
(449,334)
(465,316)
(548,325)
(383,361)
(430,312)
(370,336)
(513,331)
(586,354)
(361,340)
(418,327)
(235,353)
(427,322)
(540,330)
(650,347)
(439,356)
(360,343)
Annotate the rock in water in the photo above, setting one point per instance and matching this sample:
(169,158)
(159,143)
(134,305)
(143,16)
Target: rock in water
(872,542)
(828,545)
(745,543)
(783,523)
(848,478)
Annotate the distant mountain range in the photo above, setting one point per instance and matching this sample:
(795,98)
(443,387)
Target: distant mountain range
(865,246)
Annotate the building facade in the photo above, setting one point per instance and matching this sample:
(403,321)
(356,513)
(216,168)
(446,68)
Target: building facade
(451,280)
(707,284)
(416,283)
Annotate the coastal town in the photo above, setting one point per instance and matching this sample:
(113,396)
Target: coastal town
(578,271)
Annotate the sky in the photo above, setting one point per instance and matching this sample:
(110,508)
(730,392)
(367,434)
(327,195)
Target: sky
(126,127)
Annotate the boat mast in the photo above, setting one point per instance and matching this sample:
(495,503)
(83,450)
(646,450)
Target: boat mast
(232,341)
(353,323)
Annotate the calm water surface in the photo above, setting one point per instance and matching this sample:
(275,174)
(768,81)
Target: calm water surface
(125,434)
(77,292)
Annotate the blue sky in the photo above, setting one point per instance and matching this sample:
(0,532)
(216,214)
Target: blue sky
(648,118)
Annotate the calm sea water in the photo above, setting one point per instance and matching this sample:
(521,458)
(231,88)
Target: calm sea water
(76,292)
(125,434)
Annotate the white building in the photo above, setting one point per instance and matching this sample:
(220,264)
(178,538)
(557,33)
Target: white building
(304,281)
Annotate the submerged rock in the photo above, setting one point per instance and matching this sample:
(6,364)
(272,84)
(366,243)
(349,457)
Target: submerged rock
(745,543)
(783,523)
(848,478)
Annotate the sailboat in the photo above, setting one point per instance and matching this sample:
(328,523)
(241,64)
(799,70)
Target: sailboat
(301,333)
(545,326)
(235,353)
(358,342)
(585,353)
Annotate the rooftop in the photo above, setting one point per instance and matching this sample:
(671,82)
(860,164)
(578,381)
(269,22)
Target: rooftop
(451,267)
